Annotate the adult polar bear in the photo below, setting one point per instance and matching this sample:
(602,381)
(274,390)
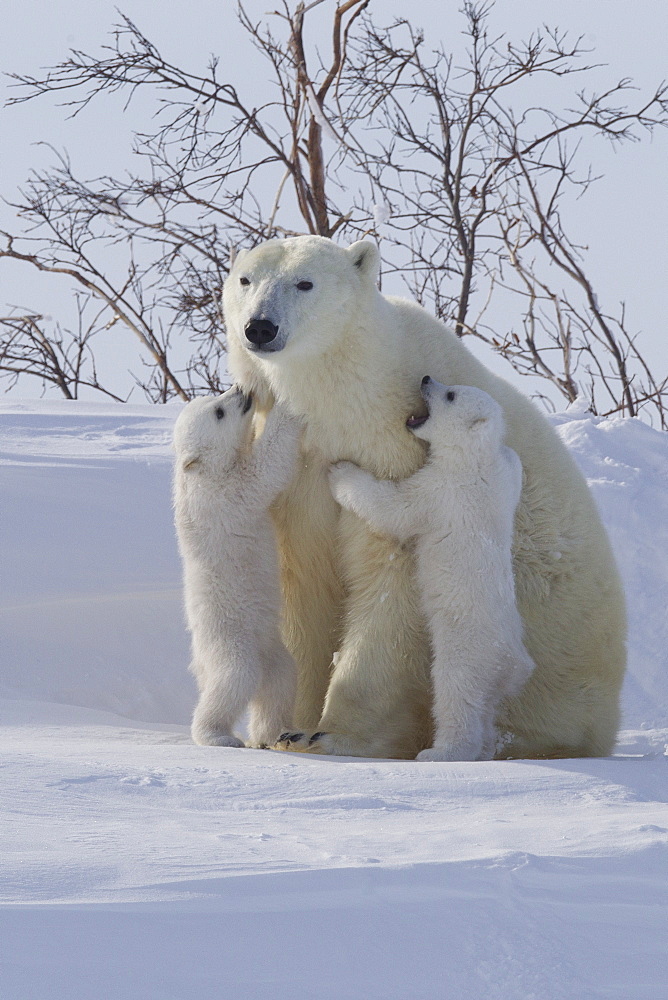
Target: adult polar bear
(308,327)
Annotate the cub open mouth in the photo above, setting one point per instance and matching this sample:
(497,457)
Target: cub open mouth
(414,421)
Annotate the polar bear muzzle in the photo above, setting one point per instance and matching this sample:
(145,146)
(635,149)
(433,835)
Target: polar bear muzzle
(261,334)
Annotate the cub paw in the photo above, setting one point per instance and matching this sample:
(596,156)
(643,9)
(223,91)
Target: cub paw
(341,475)
(211,738)
(451,752)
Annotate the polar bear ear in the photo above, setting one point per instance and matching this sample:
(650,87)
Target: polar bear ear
(365,258)
(236,256)
(188,461)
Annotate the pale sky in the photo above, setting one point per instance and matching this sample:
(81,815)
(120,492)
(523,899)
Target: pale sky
(623,219)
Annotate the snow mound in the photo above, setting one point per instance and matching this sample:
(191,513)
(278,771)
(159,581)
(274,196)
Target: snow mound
(90,596)
(626,465)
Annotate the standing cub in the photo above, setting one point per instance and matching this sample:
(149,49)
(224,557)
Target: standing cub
(460,507)
(223,487)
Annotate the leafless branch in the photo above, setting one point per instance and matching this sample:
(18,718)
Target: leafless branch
(476,186)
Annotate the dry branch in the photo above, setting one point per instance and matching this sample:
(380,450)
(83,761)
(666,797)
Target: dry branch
(475,182)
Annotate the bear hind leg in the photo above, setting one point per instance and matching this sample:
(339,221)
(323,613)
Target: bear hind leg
(225,691)
(465,700)
(273,705)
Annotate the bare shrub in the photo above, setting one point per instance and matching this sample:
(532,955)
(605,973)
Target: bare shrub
(464,178)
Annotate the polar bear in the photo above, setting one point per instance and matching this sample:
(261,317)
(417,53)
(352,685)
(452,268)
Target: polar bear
(460,508)
(307,327)
(223,487)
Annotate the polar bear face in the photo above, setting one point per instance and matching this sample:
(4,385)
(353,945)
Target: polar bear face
(458,416)
(296,293)
(211,430)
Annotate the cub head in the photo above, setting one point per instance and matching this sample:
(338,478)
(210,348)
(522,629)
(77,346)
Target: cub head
(458,416)
(294,295)
(211,431)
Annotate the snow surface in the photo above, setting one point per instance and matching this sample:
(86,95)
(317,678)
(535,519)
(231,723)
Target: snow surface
(137,865)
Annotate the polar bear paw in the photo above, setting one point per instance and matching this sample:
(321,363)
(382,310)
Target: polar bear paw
(212,738)
(302,743)
(330,744)
(452,751)
(343,478)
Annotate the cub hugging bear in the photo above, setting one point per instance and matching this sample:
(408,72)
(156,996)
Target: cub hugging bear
(461,507)
(224,484)
(308,328)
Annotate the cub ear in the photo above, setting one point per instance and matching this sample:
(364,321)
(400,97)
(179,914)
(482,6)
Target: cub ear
(188,461)
(366,258)
(478,424)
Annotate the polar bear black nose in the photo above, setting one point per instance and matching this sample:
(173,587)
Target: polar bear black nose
(425,380)
(260,331)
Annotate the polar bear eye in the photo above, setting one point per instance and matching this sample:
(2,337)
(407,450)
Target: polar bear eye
(450,396)
(220,412)
(304,286)
(244,281)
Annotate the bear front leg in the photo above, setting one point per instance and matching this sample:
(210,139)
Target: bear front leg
(378,702)
(466,695)
(306,519)
(228,674)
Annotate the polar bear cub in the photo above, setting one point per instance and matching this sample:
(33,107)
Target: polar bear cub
(460,508)
(224,484)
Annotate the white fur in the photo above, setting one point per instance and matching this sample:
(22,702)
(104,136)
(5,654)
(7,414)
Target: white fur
(223,487)
(460,506)
(350,361)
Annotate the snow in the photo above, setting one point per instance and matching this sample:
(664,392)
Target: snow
(317,113)
(381,214)
(135,864)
